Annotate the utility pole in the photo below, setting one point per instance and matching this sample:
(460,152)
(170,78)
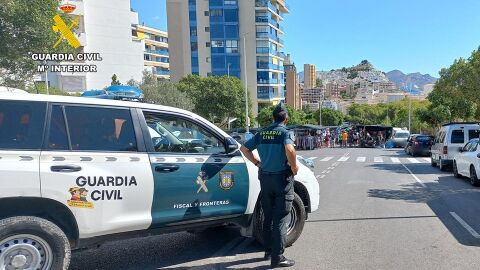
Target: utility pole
(410,114)
(320,107)
(247,120)
(46,78)
(228,69)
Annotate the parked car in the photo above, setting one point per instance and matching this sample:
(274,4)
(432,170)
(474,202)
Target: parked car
(467,162)
(419,145)
(399,138)
(75,172)
(449,139)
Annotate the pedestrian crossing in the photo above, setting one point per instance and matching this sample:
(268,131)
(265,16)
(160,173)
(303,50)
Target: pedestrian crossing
(363,159)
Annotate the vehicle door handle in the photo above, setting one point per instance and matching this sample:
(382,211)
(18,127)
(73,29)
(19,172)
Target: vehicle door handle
(66,168)
(166,168)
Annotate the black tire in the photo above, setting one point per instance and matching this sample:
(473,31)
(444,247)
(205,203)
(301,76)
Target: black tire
(36,233)
(432,161)
(473,177)
(455,170)
(292,233)
(442,167)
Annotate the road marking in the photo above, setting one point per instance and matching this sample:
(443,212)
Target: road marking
(324,171)
(326,159)
(313,158)
(335,164)
(377,159)
(322,176)
(343,159)
(361,159)
(427,159)
(395,160)
(414,176)
(327,172)
(465,225)
(331,168)
(413,160)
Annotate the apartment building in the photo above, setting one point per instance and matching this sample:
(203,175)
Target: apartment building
(292,86)
(106,31)
(310,76)
(313,95)
(156,56)
(240,38)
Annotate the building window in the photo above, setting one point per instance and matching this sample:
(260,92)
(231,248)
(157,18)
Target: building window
(207,29)
(194,46)
(231,15)
(217,43)
(206,13)
(193,31)
(216,12)
(208,44)
(208,59)
(232,46)
(231,2)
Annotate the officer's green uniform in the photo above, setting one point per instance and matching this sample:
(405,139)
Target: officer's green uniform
(276,180)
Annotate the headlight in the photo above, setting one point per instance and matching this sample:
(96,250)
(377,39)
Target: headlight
(307,162)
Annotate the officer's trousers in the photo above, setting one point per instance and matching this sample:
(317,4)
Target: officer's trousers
(277,199)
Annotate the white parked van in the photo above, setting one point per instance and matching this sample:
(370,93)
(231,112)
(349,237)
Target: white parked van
(448,141)
(75,172)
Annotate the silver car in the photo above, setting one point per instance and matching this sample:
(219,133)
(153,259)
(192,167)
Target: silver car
(400,138)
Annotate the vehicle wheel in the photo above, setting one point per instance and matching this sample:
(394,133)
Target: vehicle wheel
(473,177)
(32,243)
(455,170)
(441,165)
(432,161)
(294,224)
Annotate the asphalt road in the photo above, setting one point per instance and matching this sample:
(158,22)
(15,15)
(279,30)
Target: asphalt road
(379,209)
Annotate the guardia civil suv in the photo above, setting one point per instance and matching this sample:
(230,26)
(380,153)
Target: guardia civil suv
(75,172)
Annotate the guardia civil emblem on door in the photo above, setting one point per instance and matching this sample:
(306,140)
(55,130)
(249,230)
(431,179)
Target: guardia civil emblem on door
(226,180)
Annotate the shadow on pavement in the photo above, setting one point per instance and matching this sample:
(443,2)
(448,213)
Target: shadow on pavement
(418,168)
(443,197)
(170,251)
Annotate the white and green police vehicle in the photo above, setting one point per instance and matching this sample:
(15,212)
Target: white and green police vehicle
(76,172)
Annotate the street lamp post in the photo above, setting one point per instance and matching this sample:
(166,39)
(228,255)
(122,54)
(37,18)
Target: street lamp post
(320,107)
(247,120)
(46,78)
(228,69)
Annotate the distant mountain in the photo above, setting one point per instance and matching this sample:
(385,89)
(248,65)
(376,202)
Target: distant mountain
(410,81)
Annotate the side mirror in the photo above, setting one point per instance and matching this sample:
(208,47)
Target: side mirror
(460,150)
(478,155)
(231,145)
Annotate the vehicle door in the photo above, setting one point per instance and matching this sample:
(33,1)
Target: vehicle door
(460,158)
(21,130)
(195,178)
(470,156)
(457,140)
(95,163)
(435,151)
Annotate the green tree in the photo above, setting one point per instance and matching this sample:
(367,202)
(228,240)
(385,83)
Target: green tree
(218,98)
(26,28)
(319,83)
(115,80)
(162,93)
(295,117)
(329,117)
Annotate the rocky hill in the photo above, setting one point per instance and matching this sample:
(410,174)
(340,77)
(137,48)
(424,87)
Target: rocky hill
(410,81)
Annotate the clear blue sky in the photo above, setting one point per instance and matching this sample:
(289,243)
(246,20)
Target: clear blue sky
(409,35)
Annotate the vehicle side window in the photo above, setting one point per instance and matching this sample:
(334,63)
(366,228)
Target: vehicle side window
(172,134)
(473,134)
(457,136)
(57,134)
(474,146)
(100,129)
(21,124)
(441,137)
(467,146)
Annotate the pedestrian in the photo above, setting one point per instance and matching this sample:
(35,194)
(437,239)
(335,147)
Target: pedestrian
(345,138)
(339,138)
(277,167)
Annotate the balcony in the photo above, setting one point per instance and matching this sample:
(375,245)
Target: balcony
(269,20)
(263,65)
(159,52)
(268,81)
(272,94)
(163,72)
(270,36)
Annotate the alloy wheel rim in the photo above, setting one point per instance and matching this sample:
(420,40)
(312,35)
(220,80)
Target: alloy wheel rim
(293,220)
(25,251)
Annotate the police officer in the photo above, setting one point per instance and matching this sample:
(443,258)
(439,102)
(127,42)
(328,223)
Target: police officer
(278,165)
